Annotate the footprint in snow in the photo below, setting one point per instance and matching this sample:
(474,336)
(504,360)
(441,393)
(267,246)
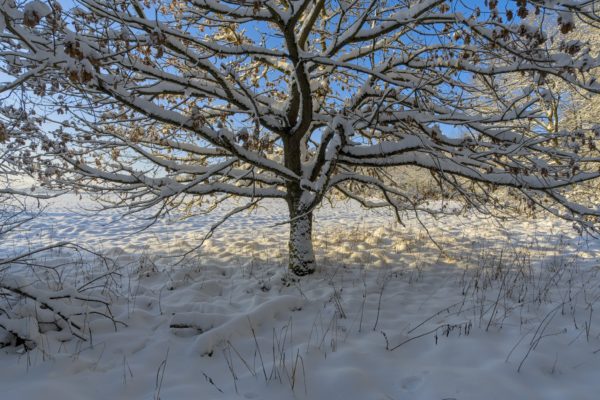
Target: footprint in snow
(411,383)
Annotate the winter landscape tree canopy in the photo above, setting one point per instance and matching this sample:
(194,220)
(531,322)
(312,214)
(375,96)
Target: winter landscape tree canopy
(182,104)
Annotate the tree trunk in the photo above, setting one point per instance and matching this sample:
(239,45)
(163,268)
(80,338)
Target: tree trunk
(301,257)
(301,254)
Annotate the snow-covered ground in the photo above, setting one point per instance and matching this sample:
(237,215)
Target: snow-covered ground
(473,308)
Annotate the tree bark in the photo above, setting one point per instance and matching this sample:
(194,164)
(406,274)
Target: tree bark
(301,254)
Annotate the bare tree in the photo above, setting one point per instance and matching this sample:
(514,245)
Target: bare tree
(164,105)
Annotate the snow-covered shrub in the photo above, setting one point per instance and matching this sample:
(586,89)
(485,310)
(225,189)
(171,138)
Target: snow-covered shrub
(54,294)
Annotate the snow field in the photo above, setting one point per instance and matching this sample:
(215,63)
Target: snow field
(497,313)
